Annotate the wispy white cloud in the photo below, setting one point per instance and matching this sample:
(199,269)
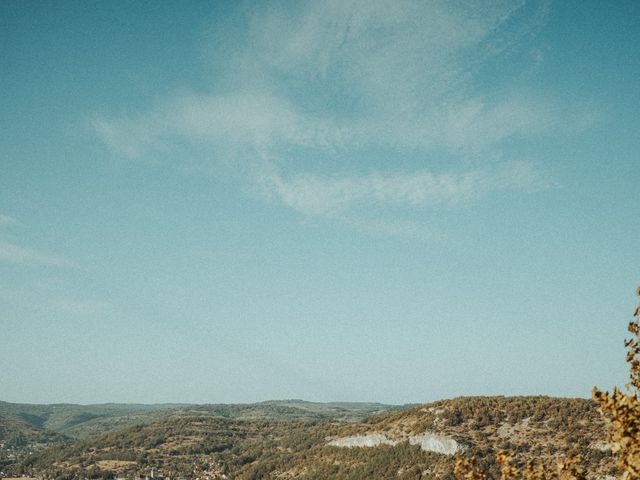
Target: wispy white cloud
(259,122)
(25,256)
(7,220)
(11,253)
(329,78)
(347,74)
(314,194)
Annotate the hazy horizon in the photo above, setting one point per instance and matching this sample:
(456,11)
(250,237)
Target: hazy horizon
(273,400)
(394,202)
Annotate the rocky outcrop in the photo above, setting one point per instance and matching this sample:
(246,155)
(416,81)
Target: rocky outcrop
(369,440)
(436,443)
(428,442)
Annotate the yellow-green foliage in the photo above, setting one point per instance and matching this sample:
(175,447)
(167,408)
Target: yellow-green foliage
(622,410)
(569,469)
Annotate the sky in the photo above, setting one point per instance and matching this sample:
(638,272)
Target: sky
(393,201)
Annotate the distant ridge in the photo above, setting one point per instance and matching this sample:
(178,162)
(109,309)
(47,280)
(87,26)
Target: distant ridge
(82,421)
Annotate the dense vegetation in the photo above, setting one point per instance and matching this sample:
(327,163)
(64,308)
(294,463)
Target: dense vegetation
(19,438)
(214,447)
(27,429)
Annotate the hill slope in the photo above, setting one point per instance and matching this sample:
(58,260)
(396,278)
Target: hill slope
(415,443)
(19,438)
(79,421)
(83,421)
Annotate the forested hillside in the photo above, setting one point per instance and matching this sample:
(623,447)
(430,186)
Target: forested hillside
(406,444)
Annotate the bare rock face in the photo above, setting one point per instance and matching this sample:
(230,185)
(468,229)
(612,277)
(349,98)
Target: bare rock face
(370,440)
(430,442)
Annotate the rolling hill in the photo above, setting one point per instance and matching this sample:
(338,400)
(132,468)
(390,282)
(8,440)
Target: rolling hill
(417,442)
(83,421)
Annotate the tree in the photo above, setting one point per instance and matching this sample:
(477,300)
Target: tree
(622,409)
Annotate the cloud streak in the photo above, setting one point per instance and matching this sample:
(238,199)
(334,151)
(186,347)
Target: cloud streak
(11,253)
(313,194)
(6,220)
(330,80)
(258,121)
(346,74)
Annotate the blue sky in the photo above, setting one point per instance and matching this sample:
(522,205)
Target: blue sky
(335,200)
